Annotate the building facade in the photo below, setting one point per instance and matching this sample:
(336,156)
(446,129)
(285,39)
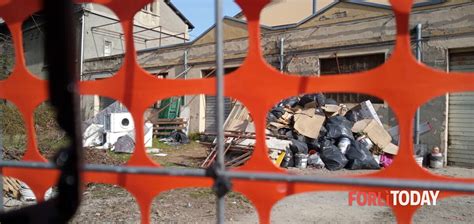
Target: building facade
(99,33)
(345,36)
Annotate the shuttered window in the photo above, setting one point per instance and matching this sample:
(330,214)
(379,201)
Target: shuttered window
(351,64)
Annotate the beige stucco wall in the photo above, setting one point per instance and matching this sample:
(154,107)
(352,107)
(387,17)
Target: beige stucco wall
(283,12)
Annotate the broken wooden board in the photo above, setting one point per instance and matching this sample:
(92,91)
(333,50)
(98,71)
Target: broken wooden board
(12,187)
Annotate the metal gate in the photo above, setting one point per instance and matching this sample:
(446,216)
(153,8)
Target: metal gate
(461,112)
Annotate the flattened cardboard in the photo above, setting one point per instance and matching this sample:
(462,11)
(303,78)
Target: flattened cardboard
(377,134)
(308,123)
(391,149)
(330,108)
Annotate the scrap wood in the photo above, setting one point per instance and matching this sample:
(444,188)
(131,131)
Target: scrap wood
(12,187)
(238,160)
(212,156)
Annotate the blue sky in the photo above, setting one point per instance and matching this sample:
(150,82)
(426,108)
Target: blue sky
(201,13)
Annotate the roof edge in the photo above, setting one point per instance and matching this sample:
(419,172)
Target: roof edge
(179,13)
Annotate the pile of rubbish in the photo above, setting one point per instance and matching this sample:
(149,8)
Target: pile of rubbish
(326,134)
(113,128)
(312,131)
(17,194)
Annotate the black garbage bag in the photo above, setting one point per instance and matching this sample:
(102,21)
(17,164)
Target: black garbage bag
(360,158)
(325,142)
(306,99)
(298,146)
(338,127)
(320,100)
(278,111)
(180,137)
(330,101)
(290,134)
(299,137)
(271,118)
(312,144)
(333,158)
(323,131)
(353,116)
(290,102)
(283,131)
(340,120)
(288,160)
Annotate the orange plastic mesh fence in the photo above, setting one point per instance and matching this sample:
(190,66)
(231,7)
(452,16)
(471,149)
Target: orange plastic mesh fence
(402,82)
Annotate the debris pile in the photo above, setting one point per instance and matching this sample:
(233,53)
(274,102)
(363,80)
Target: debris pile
(324,133)
(16,194)
(313,131)
(113,128)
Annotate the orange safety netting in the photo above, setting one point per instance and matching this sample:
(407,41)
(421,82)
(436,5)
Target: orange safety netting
(402,82)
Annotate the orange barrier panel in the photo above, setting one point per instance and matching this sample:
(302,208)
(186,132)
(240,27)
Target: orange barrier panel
(403,82)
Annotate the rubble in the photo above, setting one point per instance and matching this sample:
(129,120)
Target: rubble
(16,194)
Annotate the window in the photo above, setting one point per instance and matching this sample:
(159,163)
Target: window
(351,64)
(107,48)
(149,8)
(162,75)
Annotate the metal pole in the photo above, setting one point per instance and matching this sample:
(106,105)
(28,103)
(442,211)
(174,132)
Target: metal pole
(418,57)
(1,170)
(185,64)
(315,7)
(220,102)
(160,37)
(83,29)
(282,53)
(261,176)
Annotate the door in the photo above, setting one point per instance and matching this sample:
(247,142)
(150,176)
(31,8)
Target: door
(211,104)
(461,115)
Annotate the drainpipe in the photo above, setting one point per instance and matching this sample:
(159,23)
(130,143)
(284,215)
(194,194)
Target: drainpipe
(282,53)
(446,118)
(418,57)
(81,66)
(315,8)
(185,64)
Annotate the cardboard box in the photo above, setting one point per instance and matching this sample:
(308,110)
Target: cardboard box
(377,134)
(367,111)
(308,123)
(391,149)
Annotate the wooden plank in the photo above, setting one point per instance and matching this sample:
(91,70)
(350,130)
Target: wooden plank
(169,128)
(168,120)
(169,123)
(161,133)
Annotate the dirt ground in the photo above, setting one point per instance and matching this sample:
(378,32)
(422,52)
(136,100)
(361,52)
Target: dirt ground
(112,204)
(197,205)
